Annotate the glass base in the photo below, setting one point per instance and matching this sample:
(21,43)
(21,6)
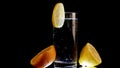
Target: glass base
(62,64)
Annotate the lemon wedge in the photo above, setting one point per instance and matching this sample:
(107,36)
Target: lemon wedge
(88,67)
(58,15)
(89,56)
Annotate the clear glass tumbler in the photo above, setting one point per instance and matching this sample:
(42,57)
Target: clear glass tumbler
(65,40)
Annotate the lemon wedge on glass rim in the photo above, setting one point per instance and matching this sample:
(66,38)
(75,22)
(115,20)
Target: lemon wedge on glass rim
(58,15)
(89,56)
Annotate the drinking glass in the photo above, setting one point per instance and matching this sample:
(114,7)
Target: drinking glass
(65,40)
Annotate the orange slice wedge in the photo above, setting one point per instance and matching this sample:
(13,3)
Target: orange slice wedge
(44,58)
(89,56)
(58,15)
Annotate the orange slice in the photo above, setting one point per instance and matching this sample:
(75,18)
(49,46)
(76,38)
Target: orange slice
(89,56)
(58,15)
(44,58)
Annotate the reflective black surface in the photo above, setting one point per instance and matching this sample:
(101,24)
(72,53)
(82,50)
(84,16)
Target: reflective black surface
(27,29)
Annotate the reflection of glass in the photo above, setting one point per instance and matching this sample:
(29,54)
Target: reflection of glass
(65,41)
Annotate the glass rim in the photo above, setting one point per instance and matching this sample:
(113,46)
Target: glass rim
(70,18)
(71,12)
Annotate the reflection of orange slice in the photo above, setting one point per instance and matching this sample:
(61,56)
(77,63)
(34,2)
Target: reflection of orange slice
(89,56)
(44,58)
(58,15)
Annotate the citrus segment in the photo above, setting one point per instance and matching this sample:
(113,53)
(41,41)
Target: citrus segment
(44,58)
(88,67)
(58,15)
(89,56)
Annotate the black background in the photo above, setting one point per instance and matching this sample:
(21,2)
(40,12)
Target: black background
(27,29)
